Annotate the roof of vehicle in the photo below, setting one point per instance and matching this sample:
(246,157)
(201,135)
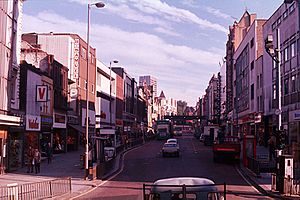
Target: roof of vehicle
(191,183)
(172,140)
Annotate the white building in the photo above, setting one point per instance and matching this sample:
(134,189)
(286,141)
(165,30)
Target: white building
(10,43)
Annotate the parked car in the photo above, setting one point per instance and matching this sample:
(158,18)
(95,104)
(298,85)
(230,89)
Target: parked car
(170,149)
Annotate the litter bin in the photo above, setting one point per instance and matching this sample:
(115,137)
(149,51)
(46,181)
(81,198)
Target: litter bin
(93,171)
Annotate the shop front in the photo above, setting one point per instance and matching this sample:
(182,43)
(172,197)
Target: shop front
(59,133)
(46,135)
(74,131)
(31,136)
(15,146)
(294,136)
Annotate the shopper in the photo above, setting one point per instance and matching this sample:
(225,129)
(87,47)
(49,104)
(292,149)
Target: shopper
(30,161)
(49,153)
(37,161)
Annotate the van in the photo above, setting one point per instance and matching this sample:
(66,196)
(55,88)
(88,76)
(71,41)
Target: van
(184,188)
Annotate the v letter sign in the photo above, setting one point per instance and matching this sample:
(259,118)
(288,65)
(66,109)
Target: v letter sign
(41,93)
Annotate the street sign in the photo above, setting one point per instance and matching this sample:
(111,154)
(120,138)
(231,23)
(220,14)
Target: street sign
(277,111)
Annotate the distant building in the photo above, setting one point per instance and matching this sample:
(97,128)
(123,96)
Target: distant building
(150,81)
(181,106)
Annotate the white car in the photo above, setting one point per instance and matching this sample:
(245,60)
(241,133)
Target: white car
(170,149)
(172,140)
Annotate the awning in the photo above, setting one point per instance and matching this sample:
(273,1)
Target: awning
(9,120)
(77,128)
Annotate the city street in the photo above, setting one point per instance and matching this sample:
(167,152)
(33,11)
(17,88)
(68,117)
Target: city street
(146,164)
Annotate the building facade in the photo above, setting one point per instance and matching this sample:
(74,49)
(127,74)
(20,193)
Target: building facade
(11,119)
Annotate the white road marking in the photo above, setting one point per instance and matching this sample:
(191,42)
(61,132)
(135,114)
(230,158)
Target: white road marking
(240,173)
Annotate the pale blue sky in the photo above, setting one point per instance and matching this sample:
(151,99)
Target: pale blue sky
(180,42)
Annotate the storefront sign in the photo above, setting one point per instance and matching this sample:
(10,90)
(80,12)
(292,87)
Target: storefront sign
(76,60)
(41,93)
(72,119)
(47,120)
(60,121)
(294,115)
(33,123)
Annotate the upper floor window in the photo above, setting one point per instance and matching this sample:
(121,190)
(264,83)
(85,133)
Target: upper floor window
(252,42)
(286,54)
(293,84)
(292,7)
(286,86)
(274,91)
(285,14)
(83,53)
(293,45)
(252,65)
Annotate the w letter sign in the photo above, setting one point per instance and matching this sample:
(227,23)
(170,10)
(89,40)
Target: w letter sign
(41,93)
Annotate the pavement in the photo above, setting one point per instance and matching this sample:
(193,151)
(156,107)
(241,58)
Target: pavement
(263,181)
(62,165)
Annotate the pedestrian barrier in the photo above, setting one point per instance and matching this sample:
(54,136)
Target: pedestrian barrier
(38,190)
(291,186)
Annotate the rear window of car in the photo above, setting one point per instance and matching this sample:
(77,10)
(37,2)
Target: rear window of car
(170,145)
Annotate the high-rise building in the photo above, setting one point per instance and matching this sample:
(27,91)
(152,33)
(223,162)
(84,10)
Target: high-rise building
(10,43)
(150,81)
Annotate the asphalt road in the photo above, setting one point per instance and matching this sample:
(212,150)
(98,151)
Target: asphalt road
(146,164)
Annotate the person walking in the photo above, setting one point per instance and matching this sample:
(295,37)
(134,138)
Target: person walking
(272,147)
(37,161)
(30,161)
(49,153)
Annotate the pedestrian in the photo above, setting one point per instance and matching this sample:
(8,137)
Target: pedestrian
(49,153)
(272,146)
(30,161)
(37,161)
(90,157)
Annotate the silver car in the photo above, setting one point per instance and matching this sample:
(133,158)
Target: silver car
(170,149)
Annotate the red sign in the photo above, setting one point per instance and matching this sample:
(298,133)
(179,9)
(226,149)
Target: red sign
(76,59)
(41,93)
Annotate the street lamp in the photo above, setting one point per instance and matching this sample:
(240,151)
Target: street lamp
(98,5)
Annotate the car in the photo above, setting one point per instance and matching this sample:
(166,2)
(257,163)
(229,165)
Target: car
(172,140)
(170,149)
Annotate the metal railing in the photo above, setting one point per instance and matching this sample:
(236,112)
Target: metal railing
(38,190)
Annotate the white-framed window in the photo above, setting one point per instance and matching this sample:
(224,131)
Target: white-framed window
(293,45)
(83,52)
(286,54)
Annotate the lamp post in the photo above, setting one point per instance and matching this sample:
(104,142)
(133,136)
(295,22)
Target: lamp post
(98,5)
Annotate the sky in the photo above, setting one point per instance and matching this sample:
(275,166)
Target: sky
(180,42)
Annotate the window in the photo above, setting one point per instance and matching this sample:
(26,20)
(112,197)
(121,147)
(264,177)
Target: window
(292,8)
(293,84)
(257,102)
(252,65)
(252,91)
(286,86)
(293,45)
(85,84)
(286,54)
(278,20)
(285,14)
(257,81)
(83,53)
(92,88)
(252,42)
(274,26)
(261,80)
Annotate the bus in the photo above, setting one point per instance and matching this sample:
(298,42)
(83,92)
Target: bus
(163,129)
